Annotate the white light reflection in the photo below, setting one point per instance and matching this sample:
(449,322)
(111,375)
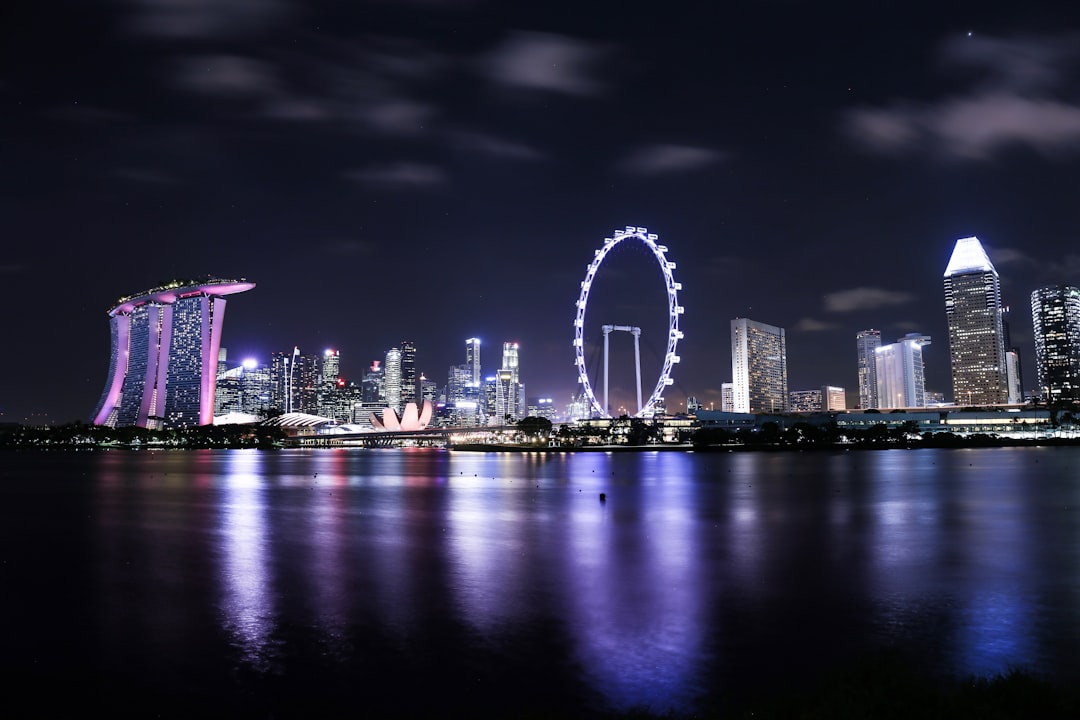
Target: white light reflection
(249,612)
(487,549)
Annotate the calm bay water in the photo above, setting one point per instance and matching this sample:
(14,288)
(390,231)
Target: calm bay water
(425,582)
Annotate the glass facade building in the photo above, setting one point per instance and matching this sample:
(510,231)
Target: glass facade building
(1055,318)
(866,342)
(974,312)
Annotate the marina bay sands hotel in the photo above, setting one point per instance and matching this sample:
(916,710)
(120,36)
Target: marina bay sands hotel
(163,363)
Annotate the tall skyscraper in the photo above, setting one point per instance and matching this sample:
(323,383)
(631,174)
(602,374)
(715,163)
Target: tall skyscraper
(976,337)
(510,393)
(472,360)
(866,342)
(758,366)
(164,355)
(1055,317)
(392,380)
(901,373)
(409,378)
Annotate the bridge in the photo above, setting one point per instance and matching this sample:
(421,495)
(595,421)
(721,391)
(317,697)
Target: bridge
(428,437)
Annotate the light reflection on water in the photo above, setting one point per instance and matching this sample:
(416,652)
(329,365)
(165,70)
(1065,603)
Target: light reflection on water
(248,591)
(697,571)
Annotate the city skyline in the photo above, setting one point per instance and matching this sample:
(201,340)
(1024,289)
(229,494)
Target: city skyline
(441,171)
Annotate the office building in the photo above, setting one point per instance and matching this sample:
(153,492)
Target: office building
(804,401)
(509,391)
(472,361)
(901,375)
(410,387)
(866,342)
(164,355)
(1055,318)
(973,309)
(392,380)
(727,397)
(833,398)
(758,366)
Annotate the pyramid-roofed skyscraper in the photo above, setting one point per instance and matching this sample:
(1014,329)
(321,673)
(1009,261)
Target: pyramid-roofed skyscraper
(973,308)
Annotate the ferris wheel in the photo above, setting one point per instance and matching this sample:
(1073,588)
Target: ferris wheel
(641,234)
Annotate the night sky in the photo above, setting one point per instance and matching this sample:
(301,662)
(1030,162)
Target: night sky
(431,171)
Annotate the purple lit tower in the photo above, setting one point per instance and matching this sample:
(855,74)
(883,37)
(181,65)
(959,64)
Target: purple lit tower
(163,364)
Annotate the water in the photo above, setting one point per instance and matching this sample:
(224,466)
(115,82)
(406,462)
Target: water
(432,583)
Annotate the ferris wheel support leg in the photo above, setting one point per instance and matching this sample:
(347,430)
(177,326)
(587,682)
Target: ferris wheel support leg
(637,366)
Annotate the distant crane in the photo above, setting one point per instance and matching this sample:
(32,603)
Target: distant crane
(636,332)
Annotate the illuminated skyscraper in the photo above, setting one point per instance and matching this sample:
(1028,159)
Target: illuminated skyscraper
(866,342)
(510,395)
(472,361)
(976,337)
(409,377)
(901,374)
(392,380)
(1055,317)
(164,355)
(758,366)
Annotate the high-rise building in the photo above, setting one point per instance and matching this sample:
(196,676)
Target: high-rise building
(374,389)
(973,308)
(510,392)
(758,366)
(392,380)
(833,398)
(164,355)
(901,374)
(866,342)
(330,400)
(472,361)
(727,397)
(804,401)
(409,377)
(1055,317)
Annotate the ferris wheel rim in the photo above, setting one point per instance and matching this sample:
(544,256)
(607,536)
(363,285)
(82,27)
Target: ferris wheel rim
(674,310)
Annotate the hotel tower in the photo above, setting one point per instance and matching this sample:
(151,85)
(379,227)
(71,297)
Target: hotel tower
(976,335)
(163,362)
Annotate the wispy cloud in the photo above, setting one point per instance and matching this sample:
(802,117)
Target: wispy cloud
(809,324)
(546,61)
(204,18)
(865,298)
(228,75)
(1011,103)
(399,176)
(494,146)
(667,159)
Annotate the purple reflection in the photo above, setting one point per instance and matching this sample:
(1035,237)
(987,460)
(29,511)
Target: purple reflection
(636,594)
